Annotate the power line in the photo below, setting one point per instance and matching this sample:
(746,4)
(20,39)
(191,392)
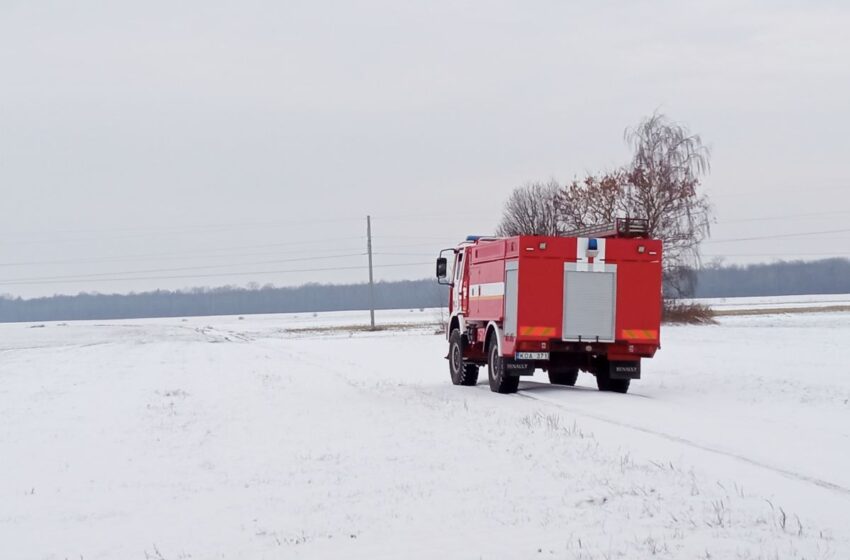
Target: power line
(238,251)
(786,217)
(772,191)
(405,236)
(431,244)
(802,254)
(424,216)
(224,226)
(64,241)
(222,252)
(409,254)
(180,269)
(210,252)
(176,255)
(223,274)
(185,228)
(778,236)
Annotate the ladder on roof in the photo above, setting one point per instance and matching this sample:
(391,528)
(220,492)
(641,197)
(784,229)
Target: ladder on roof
(621,227)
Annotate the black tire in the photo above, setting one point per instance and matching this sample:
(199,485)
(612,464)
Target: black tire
(563,376)
(461,372)
(500,382)
(605,383)
(599,368)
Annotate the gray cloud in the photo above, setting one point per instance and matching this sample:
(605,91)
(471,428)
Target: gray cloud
(127,129)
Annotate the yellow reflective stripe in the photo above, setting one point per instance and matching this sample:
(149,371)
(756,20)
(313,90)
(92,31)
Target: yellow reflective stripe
(537,331)
(640,334)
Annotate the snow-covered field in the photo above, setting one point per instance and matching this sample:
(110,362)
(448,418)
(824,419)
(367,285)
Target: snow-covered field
(293,437)
(776,302)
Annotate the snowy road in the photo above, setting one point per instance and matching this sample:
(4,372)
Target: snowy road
(225,438)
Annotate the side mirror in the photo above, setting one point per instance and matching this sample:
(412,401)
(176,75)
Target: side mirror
(442,266)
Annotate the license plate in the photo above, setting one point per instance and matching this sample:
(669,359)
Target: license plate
(532,355)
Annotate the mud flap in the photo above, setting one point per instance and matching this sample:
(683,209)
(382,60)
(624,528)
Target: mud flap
(624,370)
(513,367)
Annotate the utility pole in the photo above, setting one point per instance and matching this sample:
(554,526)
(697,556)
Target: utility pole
(371,280)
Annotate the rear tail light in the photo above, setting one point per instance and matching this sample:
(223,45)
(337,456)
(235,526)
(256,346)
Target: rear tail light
(532,345)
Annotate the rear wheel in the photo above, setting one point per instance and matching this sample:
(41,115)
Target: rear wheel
(563,376)
(461,372)
(500,382)
(605,383)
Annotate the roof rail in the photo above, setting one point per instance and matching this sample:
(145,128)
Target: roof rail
(620,227)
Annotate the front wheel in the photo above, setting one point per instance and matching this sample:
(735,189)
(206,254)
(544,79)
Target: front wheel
(461,372)
(500,381)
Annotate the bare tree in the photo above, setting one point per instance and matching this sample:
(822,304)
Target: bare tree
(532,209)
(661,185)
(592,201)
(663,180)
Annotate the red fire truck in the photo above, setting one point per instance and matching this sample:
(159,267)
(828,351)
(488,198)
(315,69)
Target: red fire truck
(589,301)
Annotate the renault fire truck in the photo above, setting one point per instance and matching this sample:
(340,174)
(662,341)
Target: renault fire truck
(589,301)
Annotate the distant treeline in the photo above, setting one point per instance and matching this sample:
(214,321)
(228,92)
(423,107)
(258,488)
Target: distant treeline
(827,276)
(830,276)
(229,300)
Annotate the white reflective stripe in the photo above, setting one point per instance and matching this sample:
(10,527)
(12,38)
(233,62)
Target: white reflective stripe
(581,248)
(581,254)
(490,289)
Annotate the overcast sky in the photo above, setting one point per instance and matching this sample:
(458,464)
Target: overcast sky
(183,142)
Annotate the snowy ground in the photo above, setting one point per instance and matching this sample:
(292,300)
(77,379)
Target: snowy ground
(776,302)
(262,438)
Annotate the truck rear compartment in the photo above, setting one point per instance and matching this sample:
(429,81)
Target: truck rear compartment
(553,295)
(561,304)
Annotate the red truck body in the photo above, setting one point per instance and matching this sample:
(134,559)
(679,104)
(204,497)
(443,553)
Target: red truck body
(558,303)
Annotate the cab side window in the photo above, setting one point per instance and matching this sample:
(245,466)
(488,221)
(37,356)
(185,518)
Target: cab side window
(458,267)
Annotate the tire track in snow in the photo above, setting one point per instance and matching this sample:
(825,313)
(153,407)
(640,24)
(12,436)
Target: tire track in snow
(703,447)
(305,357)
